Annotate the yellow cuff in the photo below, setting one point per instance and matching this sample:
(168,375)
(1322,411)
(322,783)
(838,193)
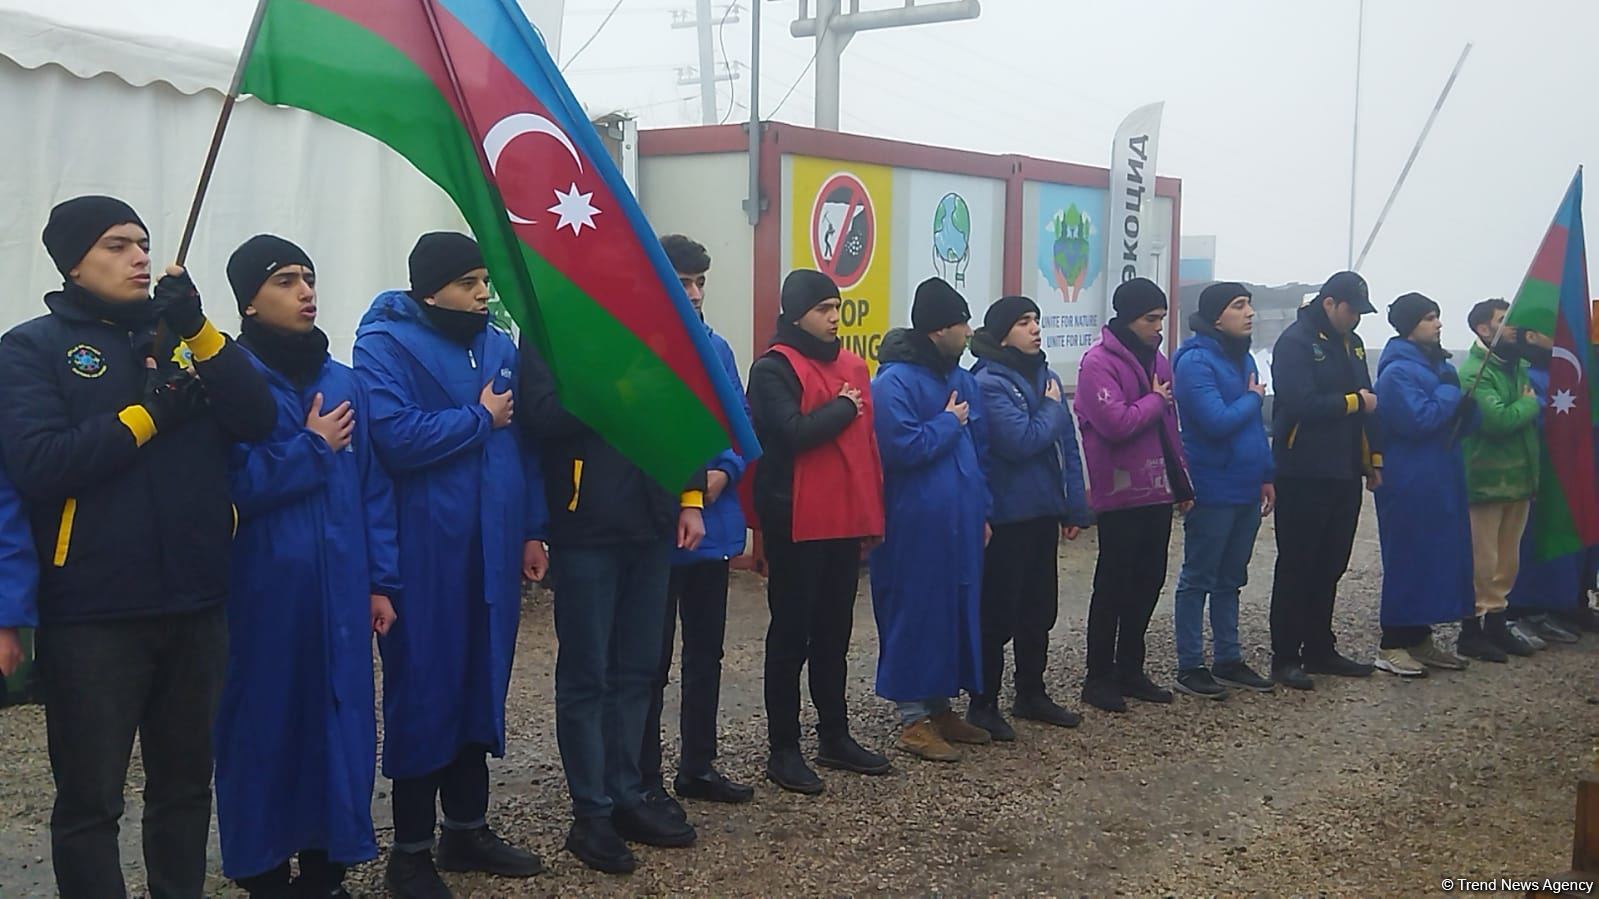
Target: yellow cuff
(205,344)
(137,419)
(692,499)
(1376,460)
(1351,403)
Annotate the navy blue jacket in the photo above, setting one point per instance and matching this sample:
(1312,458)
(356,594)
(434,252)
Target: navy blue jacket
(1224,433)
(1035,468)
(1318,427)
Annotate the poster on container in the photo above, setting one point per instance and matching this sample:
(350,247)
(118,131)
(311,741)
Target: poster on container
(840,225)
(950,227)
(1068,271)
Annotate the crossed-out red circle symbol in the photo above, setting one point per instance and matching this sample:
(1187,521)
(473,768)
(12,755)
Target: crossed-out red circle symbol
(843,229)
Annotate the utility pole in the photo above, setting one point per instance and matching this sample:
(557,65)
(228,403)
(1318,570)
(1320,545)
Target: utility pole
(705,21)
(833,29)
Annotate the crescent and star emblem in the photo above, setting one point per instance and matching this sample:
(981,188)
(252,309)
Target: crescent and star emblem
(572,208)
(1563,401)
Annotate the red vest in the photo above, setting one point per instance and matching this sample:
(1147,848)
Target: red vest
(838,486)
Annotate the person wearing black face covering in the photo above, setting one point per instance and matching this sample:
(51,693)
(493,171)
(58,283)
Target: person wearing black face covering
(818,501)
(120,451)
(437,382)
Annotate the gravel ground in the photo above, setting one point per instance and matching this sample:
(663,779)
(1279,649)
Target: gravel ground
(1359,788)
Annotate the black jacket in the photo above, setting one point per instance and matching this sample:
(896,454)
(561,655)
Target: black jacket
(1318,427)
(596,495)
(123,530)
(784,432)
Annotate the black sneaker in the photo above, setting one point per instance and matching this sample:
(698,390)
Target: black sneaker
(1039,707)
(1499,633)
(652,827)
(411,875)
(984,713)
(481,850)
(844,754)
(1104,694)
(658,799)
(1139,686)
(787,769)
(596,843)
(1478,646)
(1292,676)
(712,787)
(1551,629)
(1338,666)
(1198,682)
(1240,675)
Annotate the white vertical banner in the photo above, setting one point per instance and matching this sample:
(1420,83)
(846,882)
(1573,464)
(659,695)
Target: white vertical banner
(1128,248)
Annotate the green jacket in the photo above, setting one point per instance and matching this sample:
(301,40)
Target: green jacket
(1502,457)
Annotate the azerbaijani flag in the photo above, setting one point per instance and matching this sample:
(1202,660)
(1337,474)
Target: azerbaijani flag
(465,90)
(1553,300)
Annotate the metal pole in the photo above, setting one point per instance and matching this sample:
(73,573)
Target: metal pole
(752,206)
(829,63)
(1354,139)
(1414,152)
(702,25)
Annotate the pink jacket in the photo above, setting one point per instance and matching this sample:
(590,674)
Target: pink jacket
(1123,422)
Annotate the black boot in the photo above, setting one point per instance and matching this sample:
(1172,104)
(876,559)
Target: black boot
(786,768)
(1474,644)
(652,827)
(319,878)
(411,875)
(481,850)
(1105,694)
(1500,634)
(273,884)
(1139,686)
(983,711)
(596,843)
(843,753)
(713,786)
(1039,707)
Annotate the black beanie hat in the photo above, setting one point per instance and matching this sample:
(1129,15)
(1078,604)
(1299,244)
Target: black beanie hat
(1215,299)
(937,306)
(803,290)
(440,257)
(1348,287)
(1005,313)
(76,224)
(1136,298)
(1407,312)
(256,260)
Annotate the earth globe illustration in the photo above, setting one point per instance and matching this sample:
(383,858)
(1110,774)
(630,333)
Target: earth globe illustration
(952,237)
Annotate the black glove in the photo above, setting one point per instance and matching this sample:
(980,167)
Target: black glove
(173,400)
(178,302)
(1449,376)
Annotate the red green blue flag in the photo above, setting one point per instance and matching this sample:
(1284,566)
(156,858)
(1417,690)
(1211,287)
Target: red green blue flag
(466,91)
(1553,300)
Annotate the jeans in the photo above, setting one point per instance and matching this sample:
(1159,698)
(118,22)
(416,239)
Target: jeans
(462,788)
(811,595)
(1128,578)
(105,682)
(610,604)
(1217,544)
(699,593)
(912,712)
(1316,522)
(1021,598)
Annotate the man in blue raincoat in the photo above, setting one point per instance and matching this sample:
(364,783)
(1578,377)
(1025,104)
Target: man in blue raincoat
(315,572)
(927,576)
(470,506)
(19,580)
(1423,522)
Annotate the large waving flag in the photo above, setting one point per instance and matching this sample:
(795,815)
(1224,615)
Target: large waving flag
(1553,300)
(466,91)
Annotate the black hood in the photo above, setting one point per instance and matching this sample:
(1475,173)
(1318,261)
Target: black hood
(913,348)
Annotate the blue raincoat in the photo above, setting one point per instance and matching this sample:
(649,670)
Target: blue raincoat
(296,737)
(1557,583)
(467,496)
(1423,523)
(19,562)
(927,576)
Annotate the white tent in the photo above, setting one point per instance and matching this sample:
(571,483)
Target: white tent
(91,109)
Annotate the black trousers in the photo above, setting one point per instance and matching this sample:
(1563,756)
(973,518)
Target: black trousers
(318,877)
(1020,602)
(698,593)
(462,787)
(160,679)
(810,590)
(1316,522)
(1128,578)
(1405,637)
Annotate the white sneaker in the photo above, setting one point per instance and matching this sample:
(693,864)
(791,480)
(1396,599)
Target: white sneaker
(1528,635)
(1400,662)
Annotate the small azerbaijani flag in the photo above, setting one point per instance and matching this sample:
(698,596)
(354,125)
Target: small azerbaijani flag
(466,91)
(1553,300)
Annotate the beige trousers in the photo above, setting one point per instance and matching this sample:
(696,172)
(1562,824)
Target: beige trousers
(1496,550)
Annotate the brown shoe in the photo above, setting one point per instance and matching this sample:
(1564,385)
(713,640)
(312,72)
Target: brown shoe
(954,729)
(922,740)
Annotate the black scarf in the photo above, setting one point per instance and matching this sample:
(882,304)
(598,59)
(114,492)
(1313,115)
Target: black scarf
(1234,347)
(456,326)
(133,317)
(792,335)
(298,357)
(1143,352)
(985,347)
(1434,353)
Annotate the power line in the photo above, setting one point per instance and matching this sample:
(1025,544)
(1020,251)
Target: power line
(792,87)
(732,89)
(603,22)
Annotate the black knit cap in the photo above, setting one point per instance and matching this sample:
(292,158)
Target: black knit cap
(1348,287)
(803,290)
(440,257)
(1406,312)
(76,224)
(1215,299)
(1005,313)
(1137,298)
(258,259)
(937,306)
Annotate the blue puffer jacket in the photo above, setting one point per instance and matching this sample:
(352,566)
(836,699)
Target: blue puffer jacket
(724,519)
(19,562)
(1035,468)
(1224,433)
